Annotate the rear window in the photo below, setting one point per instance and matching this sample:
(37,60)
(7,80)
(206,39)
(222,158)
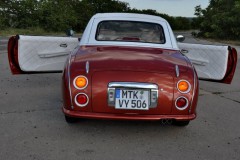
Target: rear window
(130,31)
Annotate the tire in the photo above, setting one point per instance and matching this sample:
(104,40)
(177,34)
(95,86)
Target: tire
(70,119)
(181,123)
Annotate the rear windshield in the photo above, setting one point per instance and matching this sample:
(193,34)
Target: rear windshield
(130,31)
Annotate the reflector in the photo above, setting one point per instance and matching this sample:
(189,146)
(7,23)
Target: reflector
(181,103)
(81,99)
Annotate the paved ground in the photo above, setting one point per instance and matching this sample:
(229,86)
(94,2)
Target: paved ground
(32,125)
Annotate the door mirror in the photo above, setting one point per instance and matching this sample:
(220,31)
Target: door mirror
(69,32)
(180,38)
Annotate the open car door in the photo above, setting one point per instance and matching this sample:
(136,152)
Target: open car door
(212,63)
(39,54)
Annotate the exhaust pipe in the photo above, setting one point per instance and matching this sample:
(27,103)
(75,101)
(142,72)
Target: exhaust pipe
(166,121)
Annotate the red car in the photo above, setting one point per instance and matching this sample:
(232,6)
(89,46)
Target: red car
(126,66)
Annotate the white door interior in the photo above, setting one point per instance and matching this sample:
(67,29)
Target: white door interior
(210,61)
(44,54)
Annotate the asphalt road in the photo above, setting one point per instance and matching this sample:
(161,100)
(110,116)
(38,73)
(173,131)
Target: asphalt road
(32,125)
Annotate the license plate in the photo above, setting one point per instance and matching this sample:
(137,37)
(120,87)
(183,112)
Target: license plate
(132,99)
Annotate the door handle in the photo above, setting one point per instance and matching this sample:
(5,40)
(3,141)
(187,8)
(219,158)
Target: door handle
(63,45)
(184,51)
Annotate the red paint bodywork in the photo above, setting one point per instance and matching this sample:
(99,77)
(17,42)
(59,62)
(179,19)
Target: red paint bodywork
(129,64)
(232,63)
(13,55)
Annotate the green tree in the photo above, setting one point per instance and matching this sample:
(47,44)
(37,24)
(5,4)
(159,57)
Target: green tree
(57,15)
(85,9)
(220,19)
(19,13)
(177,23)
(196,22)
(182,23)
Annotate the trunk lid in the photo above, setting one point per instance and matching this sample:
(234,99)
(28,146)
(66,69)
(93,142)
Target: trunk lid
(131,59)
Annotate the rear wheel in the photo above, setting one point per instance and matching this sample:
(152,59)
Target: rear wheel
(181,123)
(70,119)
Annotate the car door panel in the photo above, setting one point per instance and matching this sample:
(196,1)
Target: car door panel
(212,63)
(34,54)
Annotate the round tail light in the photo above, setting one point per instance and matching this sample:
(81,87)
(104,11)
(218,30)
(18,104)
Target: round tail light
(181,103)
(183,86)
(81,99)
(80,82)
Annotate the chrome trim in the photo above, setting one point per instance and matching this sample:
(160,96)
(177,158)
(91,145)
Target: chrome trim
(69,74)
(194,87)
(74,84)
(132,85)
(183,108)
(188,85)
(153,104)
(87,67)
(81,105)
(177,70)
(194,84)
(180,38)
(111,103)
(69,82)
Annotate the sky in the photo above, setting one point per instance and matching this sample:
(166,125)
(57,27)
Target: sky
(183,8)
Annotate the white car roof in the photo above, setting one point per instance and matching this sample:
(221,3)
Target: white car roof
(129,15)
(88,37)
